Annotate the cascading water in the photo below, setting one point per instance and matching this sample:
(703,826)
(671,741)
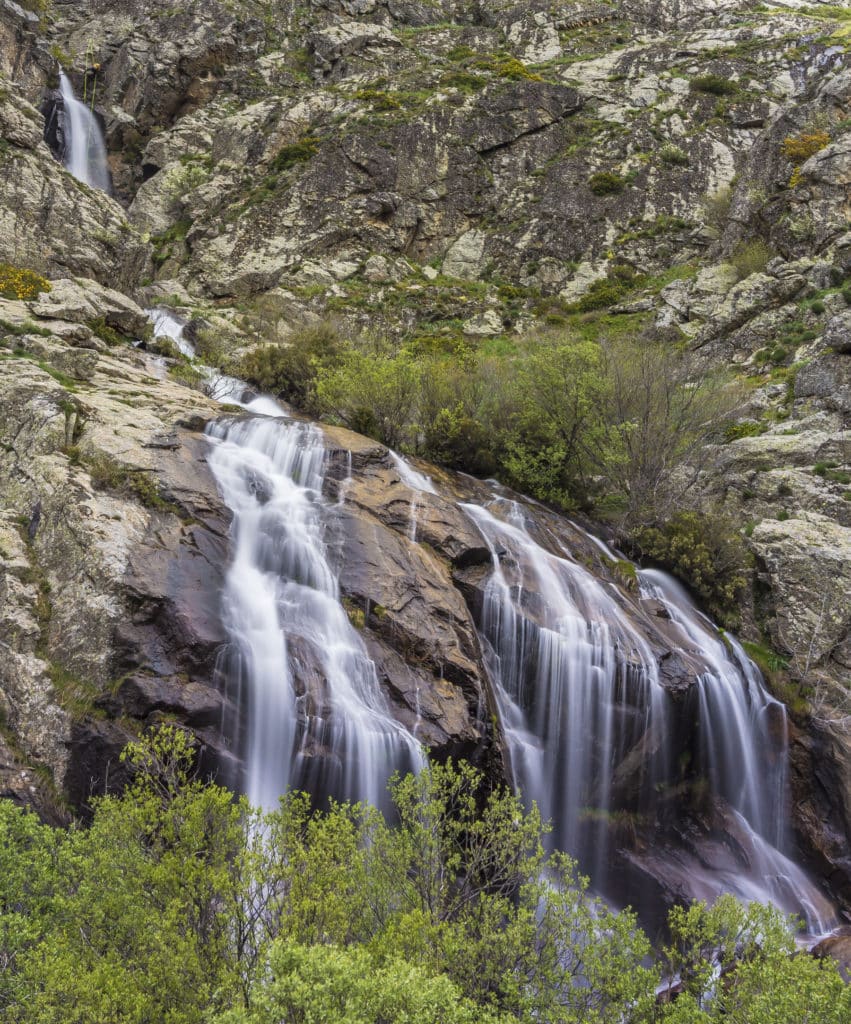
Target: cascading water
(590,728)
(416,481)
(742,748)
(84,153)
(316,716)
(167,325)
(576,685)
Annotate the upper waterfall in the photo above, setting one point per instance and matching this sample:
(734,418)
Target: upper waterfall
(84,152)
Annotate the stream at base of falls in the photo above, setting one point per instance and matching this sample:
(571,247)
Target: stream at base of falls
(592,733)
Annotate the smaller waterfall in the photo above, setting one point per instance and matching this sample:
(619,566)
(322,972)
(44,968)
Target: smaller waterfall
(167,325)
(84,153)
(593,734)
(742,749)
(316,715)
(417,482)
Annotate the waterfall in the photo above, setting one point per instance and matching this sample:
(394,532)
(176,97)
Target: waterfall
(316,718)
(167,325)
(742,749)
(416,482)
(591,731)
(577,686)
(84,152)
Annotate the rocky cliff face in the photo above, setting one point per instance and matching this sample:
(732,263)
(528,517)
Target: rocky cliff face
(449,168)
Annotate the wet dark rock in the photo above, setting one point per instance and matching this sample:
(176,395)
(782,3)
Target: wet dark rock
(838,947)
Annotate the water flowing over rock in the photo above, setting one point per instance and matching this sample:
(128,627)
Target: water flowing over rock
(84,148)
(640,730)
(316,716)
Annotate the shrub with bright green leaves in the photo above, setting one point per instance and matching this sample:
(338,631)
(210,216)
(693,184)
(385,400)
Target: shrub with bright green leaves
(182,904)
(707,552)
(289,369)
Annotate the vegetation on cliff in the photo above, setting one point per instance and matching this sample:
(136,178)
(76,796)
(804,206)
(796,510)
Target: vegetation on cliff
(182,904)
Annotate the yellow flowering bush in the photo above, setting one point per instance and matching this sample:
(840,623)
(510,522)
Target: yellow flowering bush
(20,283)
(799,148)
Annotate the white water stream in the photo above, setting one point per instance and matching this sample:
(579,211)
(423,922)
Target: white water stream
(85,150)
(317,717)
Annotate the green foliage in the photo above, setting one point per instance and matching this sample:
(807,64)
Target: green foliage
(289,369)
(107,474)
(750,258)
(372,392)
(336,985)
(744,428)
(294,153)
(378,99)
(707,552)
(673,154)
(560,390)
(101,329)
(765,658)
(606,183)
(715,85)
(181,904)
(764,979)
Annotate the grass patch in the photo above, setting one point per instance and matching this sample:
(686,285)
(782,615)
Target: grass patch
(107,474)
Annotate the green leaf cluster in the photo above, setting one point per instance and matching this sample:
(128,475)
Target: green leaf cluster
(182,904)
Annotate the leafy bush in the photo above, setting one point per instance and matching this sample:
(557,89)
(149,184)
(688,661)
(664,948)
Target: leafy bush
(182,904)
(289,369)
(378,99)
(715,85)
(20,283)
(606,183)
(374,393)
(745,428)
(294,153)
(707,552)
(673,154)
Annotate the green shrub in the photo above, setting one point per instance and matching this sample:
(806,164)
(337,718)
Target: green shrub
(707,552)
(750,258)
(745,428)
(376,98)
(113,338)
(289,369)
(295,153)
(715,85)
(817,307)
(606,183)
(165,346)
(672,154)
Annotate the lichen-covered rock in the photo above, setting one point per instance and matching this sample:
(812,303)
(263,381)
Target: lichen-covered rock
(82,301)
(807,562)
